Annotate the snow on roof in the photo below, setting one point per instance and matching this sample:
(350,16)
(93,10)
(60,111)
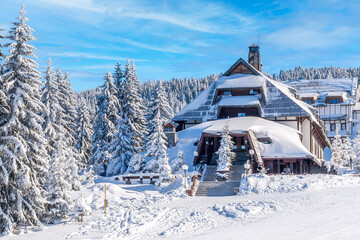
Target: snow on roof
(336,94)
(280,100)
(250,100)
(323,86)
(285,140)
(240,80)
(199,108)
(334,117)
(308,95)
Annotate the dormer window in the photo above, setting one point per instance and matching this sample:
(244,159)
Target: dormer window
(334,101)
(253,91)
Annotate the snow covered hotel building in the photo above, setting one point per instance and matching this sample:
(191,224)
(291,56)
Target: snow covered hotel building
(264,115)
(337,101)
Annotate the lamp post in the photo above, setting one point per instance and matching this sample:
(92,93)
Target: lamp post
(185,168)
(251,152)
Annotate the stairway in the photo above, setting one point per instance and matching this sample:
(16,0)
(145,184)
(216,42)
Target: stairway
(210,173)
(212,188)
(236,172)
(216,189)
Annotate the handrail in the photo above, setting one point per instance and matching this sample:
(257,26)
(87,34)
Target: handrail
(256,148)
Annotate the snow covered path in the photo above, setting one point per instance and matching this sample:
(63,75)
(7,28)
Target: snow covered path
(314,213)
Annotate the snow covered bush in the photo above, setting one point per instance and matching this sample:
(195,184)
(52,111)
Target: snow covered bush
(177,163)
(356,149)
(336,149)
(81,208)
(347,153)
(136,164)
(225,154)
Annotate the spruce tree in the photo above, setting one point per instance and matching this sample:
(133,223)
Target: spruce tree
(156,148)
(2,54)
(64,97)
(67,102)
(55,128)
(121,150)
(104,126)
(133,109)
(24,160)
(160,103)
(58,186)
(225,152)
(119,83)
(84,134)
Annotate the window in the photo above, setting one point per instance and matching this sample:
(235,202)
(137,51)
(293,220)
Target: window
(227,93)
(253,91)
(343,126)
(241,114)
(332,127)
(308,101)
(332,101)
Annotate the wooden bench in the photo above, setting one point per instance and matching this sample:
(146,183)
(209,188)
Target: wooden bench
(128,179)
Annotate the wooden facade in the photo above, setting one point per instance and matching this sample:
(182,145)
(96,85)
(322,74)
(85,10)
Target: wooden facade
(210,143)
(230,112)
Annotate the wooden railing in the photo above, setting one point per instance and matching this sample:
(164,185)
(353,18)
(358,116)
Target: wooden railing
(255,146)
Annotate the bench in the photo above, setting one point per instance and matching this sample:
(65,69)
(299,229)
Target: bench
(128,179)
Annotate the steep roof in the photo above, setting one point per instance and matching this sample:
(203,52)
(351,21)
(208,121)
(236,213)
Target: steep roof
(280,100)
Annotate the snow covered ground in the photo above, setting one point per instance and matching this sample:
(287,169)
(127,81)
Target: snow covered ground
(272,207)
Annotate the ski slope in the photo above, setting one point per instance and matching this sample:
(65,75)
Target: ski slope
(271,207)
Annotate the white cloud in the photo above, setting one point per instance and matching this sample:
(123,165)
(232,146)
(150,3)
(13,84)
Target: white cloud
(91,56)
(88,5)
(309,36)
(197,16)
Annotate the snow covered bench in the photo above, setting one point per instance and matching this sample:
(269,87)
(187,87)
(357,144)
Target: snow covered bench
(128,179)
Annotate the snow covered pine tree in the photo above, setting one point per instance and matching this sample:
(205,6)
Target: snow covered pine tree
(133,109)
(336,149)
(156,148)
(24,160)
(104,126)
(226,155)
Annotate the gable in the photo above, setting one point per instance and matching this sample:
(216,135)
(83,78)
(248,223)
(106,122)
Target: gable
(241,66)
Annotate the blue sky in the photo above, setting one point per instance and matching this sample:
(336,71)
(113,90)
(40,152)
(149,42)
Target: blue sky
(187,38)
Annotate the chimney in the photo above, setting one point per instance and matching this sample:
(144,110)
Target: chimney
(254,57)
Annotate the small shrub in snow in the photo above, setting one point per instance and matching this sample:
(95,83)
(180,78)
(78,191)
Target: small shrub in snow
(136,164)
(177,163)
(90,176)
(347,153)
(336,149)
(356,149)
(81,208)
